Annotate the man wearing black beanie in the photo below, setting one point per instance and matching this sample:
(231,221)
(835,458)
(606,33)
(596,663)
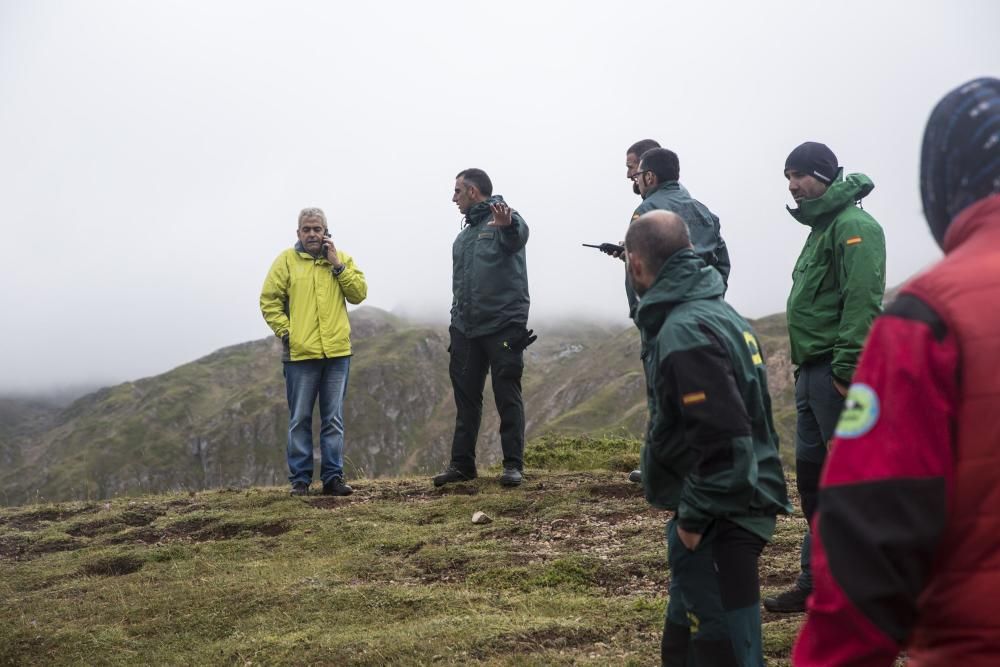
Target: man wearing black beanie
(906,537)
(837,288)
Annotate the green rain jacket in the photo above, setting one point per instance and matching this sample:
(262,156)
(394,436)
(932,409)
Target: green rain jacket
(839,278)
(711,450)
(489,280)
(703,226)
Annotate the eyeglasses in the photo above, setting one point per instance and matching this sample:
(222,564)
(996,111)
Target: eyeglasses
(636,175)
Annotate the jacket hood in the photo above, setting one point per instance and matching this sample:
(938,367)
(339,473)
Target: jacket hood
(843,192)
(481,210)
(684,277)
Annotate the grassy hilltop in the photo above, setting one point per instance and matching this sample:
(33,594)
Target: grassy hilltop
(571,570)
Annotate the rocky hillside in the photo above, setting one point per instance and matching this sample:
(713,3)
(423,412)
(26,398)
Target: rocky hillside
(220,421)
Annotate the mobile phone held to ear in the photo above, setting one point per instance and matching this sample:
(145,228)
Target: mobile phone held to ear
(607,248)
(324,245)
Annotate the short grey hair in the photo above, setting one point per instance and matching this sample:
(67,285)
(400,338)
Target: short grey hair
(312,212)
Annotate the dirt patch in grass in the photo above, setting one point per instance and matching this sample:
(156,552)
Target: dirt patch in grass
(115,524)
(402,488)
(52,546)
(445,571)
(201,529)
(631,578)
(456,490)
(92,528)
(22,547)
(184,528)
(13,546)
(140,517)
(227,531)
(31,520)
(780,580)
(113,566)
(612,490)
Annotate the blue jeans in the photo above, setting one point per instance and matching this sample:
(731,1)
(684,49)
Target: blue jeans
(818,404)
(305,381)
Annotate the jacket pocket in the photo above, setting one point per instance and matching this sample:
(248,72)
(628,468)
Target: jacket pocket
(813,276)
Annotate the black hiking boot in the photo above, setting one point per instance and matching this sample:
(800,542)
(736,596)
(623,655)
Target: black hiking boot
(787,602)
(635,477)
(336,487)
(511,477)
(452,474)
(300,489)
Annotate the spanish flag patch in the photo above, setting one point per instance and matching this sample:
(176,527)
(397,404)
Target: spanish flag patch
(853,240)
(696,397)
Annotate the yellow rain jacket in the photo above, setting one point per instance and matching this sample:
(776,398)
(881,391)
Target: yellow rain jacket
(303,299)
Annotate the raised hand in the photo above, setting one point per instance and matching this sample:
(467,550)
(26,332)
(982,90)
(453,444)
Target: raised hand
(501,215)
(331,252)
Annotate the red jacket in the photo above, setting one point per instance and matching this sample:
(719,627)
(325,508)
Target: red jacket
(906,548)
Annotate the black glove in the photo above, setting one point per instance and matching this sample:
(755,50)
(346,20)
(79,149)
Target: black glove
(524,340)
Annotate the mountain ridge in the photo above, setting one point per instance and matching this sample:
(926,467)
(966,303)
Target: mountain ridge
(221,420)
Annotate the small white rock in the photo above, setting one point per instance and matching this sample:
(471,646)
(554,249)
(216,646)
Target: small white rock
(480,518)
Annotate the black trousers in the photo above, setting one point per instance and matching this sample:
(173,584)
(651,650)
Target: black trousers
(471,360)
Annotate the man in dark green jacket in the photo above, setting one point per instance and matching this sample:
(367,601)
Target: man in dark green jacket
(711,451)
(657,181)
(655,172)
(489,315)
(837,288)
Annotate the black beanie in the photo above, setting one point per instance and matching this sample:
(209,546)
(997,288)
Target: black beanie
(960,159)
(813,159)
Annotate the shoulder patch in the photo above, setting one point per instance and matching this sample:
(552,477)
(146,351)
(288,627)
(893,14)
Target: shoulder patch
(861,412)
(694,397)
(911,307)
(854,240)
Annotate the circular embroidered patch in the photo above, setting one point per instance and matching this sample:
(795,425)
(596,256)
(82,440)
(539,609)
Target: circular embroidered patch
(861,410)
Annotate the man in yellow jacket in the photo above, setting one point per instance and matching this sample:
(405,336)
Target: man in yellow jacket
(303,301)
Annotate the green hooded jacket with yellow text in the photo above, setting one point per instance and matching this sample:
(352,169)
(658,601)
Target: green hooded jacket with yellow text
(711,451)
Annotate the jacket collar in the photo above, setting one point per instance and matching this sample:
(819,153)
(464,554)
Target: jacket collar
(981,218)
(480,211)
(843,192)
(684,277)
(669,185)
(305,254)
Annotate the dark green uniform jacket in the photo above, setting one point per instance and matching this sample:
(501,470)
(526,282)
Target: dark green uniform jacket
(711,450)
(839,278)
(489,279)
(703,226)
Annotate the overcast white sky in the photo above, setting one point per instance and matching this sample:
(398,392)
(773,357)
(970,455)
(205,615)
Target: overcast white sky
(154,156)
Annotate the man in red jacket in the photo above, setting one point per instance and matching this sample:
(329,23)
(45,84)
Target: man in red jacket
(906,550)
